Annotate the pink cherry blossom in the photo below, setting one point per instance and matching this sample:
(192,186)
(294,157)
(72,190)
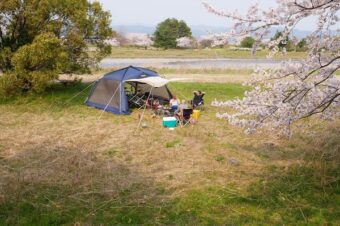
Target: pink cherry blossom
(185,42)
(139,39)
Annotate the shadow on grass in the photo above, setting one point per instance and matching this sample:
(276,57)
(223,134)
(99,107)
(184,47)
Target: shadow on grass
(58,185)
(57,96)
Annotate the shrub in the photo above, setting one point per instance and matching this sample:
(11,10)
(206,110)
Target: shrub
(248,42)
(9,85)
(36,64)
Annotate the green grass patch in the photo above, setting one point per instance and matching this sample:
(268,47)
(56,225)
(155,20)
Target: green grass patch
(299,195)
(112,152)
(293,196)
(207,71)
(219,91)
(58,98)
(220,159)
(172,143)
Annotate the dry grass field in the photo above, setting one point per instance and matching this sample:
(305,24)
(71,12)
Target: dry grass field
(133,52)
(63,164)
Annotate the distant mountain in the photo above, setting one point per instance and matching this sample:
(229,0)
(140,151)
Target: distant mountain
(197,30)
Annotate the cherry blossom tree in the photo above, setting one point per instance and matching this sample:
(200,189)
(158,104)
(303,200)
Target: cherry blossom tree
(298,89)
(185,42)
(217,39)
(114,42)
(139,39)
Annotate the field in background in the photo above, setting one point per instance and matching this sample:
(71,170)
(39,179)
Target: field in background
(63,163)
(132,52)
(213,75)
(210,75)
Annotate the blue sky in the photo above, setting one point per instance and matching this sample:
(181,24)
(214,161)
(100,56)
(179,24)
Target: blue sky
(151,12)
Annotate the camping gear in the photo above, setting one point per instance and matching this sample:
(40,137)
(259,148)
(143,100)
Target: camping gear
(109,94)
(196,114)
(169,122)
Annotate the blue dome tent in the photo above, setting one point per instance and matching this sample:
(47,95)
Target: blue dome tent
(109,92)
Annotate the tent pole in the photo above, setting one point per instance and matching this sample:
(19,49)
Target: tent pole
(140,120)
(120,98)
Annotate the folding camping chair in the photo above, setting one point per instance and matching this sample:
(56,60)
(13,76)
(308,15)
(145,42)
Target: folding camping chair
(184,116)
(137,100)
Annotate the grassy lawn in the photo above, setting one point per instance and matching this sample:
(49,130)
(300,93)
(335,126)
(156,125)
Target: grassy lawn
(131,52)
(63,164)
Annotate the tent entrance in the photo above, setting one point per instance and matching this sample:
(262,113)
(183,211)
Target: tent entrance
(138,93)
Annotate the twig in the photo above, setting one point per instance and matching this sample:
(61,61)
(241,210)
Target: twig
(304,217)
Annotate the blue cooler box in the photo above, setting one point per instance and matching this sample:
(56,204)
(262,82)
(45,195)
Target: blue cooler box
(169,122)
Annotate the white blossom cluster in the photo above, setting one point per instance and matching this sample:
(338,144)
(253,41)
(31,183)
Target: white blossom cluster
(139,39)
(185,42)
(217,39)
(113,42)
(298,89)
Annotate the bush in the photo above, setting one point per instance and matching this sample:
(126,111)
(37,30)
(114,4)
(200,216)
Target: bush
(9,85)
(35,65)
(302,46)
(247,42)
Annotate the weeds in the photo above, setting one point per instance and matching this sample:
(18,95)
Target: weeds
(220,158)
(173,143)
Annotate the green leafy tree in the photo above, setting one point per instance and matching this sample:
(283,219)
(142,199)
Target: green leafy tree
(302,45)
(39,62)
(168,31)
(40,39)
(285,43)
(247,42)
